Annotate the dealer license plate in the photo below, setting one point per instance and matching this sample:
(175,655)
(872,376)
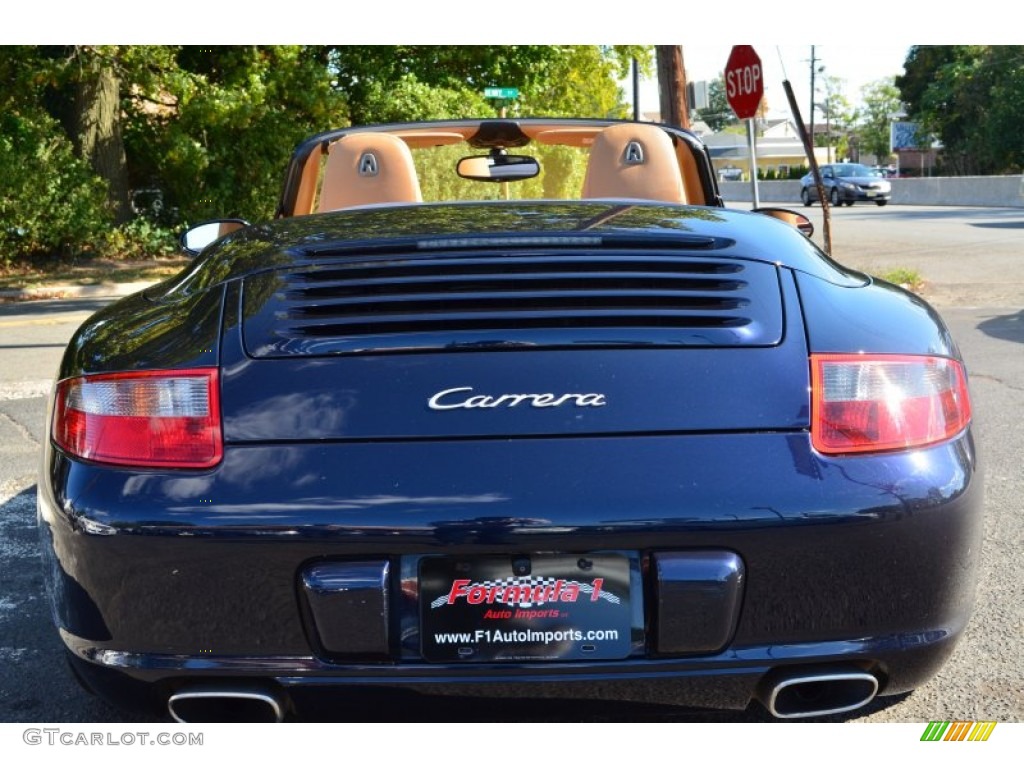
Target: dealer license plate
(525,608)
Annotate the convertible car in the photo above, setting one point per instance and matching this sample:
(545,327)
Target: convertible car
(498,405)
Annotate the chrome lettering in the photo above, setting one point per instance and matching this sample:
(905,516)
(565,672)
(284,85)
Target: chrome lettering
(461,397)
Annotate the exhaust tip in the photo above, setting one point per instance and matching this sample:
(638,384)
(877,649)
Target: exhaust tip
(225,705)
(818,694)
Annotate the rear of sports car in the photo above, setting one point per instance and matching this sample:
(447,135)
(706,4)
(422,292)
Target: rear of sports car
(587,449)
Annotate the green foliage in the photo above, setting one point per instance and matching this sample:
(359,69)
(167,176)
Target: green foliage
(409,99)
(50,202)
(579,81)
(771,174)
(216,136)
(835,112)
(138,239)
(210,129)
(972,98)
(910,278)
(561,177)
(881,102)
(718,113)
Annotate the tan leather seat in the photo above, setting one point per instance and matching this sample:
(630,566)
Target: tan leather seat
(368,168)
(636,161)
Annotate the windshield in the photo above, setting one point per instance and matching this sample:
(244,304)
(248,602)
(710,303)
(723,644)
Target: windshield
(853,169)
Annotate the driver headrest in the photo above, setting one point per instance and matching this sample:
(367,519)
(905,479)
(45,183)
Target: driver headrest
(368,168)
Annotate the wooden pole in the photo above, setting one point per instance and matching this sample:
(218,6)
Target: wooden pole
(672,86)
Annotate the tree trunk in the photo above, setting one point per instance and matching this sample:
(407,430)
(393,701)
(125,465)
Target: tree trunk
(97,118)
(672,86)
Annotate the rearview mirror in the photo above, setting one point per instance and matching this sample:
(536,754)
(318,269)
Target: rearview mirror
(792,218)
(194,239)
(496,167)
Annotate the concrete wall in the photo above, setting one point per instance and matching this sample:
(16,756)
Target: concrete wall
(986,191)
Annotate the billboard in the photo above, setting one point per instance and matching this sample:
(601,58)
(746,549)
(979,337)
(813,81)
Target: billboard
(908,136)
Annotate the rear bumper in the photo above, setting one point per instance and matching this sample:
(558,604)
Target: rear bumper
(866,561)
(730,680)
(861,195)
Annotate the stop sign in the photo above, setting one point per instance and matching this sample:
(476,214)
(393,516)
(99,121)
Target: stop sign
(744,83)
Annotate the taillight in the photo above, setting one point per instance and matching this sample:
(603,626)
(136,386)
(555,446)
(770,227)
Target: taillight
(865,403)
(142,419)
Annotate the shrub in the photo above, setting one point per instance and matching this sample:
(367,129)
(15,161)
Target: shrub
(50,201)
(140,238)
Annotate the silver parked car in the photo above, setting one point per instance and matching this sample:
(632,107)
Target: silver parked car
(847,183)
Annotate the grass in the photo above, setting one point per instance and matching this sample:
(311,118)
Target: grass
(908,278)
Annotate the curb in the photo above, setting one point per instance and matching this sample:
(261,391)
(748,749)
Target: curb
(63,291)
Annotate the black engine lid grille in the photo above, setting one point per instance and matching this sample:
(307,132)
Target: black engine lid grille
(508,299)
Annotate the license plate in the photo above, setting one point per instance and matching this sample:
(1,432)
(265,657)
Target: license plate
(872,193)
(525,608)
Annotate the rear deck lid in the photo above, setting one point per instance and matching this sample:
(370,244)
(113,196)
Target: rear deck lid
(523,298)
(523,342)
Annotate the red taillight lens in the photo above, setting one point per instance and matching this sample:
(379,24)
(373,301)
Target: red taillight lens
(865,403)
(143,419)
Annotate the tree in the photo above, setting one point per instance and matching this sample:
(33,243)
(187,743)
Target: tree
(920,66)
(881,103)
(1002,136)
(98,130)
(50,199)
(214,131)
(582,81)
(82,90)
(972,98)
(208,130)
(838,117)
(718,113)
(552,80)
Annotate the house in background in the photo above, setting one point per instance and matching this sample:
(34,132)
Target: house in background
(778,149)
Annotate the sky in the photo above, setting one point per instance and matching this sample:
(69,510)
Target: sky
(855,65)
(727,22)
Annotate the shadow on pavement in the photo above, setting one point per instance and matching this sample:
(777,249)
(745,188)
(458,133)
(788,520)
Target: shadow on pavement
(1005,327)
(999,224)
(54,345)
(47,306)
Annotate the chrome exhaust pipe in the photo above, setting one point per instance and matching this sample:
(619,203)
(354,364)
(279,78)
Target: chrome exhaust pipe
(816,694)
(224,704)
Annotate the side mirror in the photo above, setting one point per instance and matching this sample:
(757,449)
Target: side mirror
(792,218)
(195,239)
(497,167)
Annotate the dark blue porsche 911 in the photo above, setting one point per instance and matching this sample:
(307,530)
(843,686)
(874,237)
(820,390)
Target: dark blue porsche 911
(509,403)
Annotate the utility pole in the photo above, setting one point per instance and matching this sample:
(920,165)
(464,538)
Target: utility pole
(636,90)
(672,86)
(811,120)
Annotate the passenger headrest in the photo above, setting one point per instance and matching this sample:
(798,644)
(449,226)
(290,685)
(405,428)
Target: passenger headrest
(634,160)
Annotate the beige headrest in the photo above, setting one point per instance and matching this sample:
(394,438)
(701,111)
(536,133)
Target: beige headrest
(633,160)
(368,168)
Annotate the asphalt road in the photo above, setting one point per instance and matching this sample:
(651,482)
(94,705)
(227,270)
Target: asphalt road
(973,265)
